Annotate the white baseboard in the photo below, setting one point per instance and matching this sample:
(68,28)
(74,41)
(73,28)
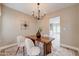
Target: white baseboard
(71,47)
(7,46)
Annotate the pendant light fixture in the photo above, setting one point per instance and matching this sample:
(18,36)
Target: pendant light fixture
(39,14)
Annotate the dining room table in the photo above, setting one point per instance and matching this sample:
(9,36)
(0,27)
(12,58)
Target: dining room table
(45,40)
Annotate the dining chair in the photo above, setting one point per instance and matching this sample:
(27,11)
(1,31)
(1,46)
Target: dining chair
(31,49)
(21,43)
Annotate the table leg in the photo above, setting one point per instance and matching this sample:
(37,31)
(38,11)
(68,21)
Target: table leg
(44,48)
(47,48)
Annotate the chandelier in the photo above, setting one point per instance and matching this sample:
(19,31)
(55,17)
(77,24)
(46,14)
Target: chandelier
(39,14)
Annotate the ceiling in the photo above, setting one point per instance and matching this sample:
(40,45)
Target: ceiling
(47,8)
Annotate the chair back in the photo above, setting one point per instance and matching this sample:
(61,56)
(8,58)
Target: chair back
(28,44)
(20,40)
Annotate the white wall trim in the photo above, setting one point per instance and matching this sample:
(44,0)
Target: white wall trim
(71,47)
(7,46)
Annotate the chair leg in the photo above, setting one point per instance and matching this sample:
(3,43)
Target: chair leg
(17,50)
(23,51)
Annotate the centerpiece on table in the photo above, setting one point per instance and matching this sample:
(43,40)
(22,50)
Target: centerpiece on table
(38,34)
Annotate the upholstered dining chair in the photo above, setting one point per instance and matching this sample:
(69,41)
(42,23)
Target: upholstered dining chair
(31,49)
(21,43)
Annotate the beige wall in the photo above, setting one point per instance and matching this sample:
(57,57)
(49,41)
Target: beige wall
(0,23)
(11,25)
(70,21)
(0,9)
(0,17)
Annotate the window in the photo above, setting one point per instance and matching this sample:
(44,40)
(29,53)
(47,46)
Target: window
(55,27)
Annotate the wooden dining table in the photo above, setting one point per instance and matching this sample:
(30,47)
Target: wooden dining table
(47,42)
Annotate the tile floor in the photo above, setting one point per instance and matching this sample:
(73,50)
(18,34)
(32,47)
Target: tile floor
(55,52)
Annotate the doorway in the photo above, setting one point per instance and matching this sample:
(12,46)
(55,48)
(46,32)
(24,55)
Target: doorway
(55,31)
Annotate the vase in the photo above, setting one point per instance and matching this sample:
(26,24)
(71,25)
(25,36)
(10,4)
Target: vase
(38,34)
